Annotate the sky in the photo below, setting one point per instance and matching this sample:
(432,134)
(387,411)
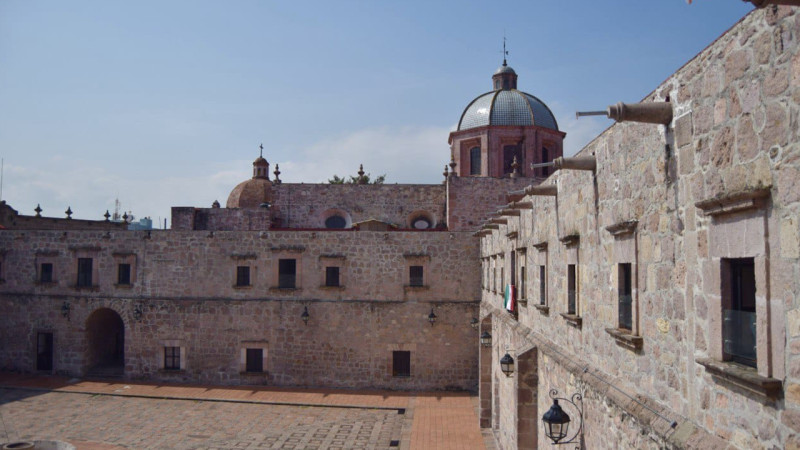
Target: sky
(162,104)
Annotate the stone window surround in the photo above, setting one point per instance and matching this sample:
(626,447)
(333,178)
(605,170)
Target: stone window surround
(541,258)
(465,146)
(244,260)
(416,259)
(160,354)
(572,243)
(46,257)
(124,258)
(279,253)
(412,348)
(257,344)
(743,216)
(626,251)
(93,253)
(337,260)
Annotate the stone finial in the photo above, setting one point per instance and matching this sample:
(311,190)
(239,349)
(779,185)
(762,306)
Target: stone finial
(277,173)
(38,210)
(215,204)
(68,212)
(125,217)
(453,166)
(446,172)
(514,167)
(361,179)
(107,215)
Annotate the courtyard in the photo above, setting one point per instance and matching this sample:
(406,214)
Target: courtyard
(101,415)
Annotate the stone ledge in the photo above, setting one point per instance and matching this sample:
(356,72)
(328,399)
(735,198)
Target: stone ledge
(254,374)
(46,283)
(409,288)
(123,286)
(331,288)
(284,289)
(93,288)
(172,371)
(572,319)
(544,309)
(625,339)
(242,286)
(734,202)
(522,302)
(743,377)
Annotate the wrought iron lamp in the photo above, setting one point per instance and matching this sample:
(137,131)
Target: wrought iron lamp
(474,323)
(432,317)
(305,316)
(486,339)
(138,312)
(65,309)
(507,365)
(556,420)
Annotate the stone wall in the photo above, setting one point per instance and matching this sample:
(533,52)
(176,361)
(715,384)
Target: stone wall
(220,219)
(184,284)
(471,200)
(676,203)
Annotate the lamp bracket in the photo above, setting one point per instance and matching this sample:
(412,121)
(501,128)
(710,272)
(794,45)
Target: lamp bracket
(577,402)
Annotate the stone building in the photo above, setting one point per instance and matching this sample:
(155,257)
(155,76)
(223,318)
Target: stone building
(290,284)
(656,272)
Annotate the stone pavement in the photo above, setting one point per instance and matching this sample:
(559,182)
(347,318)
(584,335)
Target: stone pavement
(108,415)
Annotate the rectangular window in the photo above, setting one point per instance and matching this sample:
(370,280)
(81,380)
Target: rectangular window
(46,273)
(521,290)
(124,274)
(255,359)
(287,273)
(502,279)
(84,272)
(401,364)
(332,276)
(542,286)
(571,291)
(625,294)
(739,310)
(44,351)
(172,358)
(243,276)
(415,275)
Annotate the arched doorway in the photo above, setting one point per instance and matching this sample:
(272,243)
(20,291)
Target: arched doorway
(105,334)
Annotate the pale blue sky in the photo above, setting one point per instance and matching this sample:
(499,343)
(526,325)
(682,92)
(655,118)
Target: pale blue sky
(164,103)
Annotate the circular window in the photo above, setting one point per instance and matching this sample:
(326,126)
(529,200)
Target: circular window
(421,223)
(335,221)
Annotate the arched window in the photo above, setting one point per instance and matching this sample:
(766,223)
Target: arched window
(545,158)
(475,161)
(335,222)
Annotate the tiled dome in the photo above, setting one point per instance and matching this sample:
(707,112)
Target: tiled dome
(507,107)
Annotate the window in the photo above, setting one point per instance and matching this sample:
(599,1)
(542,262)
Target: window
(513,280)
(571,291)
(46,273)
(625,294)
(243,276)
(542,286)
(124,274)
(332,276)
(475,161)
(421,223)
(545,158)
(255,360)
(44,351)
(521,290)
(287,273)
(401,363)
(415,275)
(335,221)
(739,310)
(84,272)
(172,358)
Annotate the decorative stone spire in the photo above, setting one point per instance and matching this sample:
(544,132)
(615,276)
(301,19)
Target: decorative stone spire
(361,179)
(68,212)
(446,172)
(453,166)
(107,215)
(38,210)
(514,167)
(215,204)
(277,175)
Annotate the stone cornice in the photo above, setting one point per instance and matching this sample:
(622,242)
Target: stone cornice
(622,228)
(734,202)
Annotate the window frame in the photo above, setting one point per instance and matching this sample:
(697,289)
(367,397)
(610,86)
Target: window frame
(285,278)
(404,356)
(85,266)
(243,276)
(50,272)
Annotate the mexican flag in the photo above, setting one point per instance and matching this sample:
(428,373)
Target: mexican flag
(510,301)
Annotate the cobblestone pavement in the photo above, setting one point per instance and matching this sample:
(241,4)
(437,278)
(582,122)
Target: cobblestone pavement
(110,415)
(194,424)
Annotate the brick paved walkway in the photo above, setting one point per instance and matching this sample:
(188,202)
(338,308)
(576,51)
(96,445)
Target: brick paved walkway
(144,415)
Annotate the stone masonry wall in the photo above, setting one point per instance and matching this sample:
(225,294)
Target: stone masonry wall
(735,132)
(184,283)
(471,200)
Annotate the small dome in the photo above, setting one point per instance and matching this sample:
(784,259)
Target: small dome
(260,161)
(507,107)
(504,69)
(250,194)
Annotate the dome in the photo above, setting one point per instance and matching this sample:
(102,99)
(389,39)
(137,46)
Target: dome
(250,194)
(507,107)
(504,69)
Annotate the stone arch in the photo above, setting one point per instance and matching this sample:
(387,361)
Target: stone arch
(105,337)
(527,399)
(485,377)
(421,220)
(328,218)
